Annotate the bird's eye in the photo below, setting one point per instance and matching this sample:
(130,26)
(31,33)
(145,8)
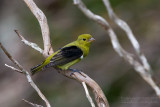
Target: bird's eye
(84,39)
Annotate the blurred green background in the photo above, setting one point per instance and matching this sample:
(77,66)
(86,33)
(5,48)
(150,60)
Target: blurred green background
(121,84)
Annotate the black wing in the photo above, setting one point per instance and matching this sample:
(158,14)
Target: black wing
(66,55)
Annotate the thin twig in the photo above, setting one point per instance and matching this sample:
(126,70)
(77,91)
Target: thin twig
(10,57)
(31,44)
(29,79)
(44,26)
(143,70)
(32,104)
(87,94)
(15,69)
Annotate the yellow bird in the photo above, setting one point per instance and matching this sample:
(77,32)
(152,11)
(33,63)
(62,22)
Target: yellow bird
(68,55)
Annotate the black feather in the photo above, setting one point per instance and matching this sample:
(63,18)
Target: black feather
(66,55)
(34,69)
(72,51)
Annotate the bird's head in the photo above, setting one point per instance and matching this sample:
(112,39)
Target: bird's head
(85,39)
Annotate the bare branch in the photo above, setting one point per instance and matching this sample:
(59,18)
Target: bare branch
(91,15)
(44,26)
(29,79)
(143,70)
(37,90)
(15,69)
(87,94)
(10,57)
(124,26)
(32,104)
(97,91)
(33,45)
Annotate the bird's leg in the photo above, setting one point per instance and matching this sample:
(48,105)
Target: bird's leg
(75,70)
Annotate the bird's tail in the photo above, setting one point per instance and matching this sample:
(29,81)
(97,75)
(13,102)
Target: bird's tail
(37,68)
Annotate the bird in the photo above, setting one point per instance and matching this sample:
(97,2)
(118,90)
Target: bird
(68,55)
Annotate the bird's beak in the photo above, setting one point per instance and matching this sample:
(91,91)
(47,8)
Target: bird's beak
(91,39)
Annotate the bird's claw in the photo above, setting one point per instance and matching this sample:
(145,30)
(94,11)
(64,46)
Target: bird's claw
(75,70)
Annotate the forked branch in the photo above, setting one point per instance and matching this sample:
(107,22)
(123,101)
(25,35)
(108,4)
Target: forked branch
(25,72)
(87,94)
(143,69)
(44,26)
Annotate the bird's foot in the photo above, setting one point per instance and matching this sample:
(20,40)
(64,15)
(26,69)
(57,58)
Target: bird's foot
(75,70)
